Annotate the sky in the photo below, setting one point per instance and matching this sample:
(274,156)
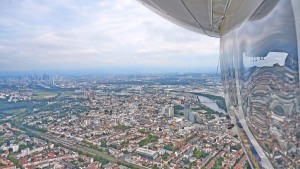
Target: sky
(90,34)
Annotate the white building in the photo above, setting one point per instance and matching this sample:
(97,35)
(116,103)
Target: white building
(168,110)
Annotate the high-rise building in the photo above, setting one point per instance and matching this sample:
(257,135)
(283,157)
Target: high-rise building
(53,81)
(45,77)
(168,110)
(171,112)
(192,117)
(164,110)
(187,111)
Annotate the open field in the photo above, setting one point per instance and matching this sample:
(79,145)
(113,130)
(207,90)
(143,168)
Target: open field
(43,95)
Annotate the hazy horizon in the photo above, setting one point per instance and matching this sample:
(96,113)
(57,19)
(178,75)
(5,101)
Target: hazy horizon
(119,70)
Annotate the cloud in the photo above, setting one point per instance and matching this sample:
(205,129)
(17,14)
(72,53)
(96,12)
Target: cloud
(44,35)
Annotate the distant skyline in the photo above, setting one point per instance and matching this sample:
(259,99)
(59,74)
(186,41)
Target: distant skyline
(98,35)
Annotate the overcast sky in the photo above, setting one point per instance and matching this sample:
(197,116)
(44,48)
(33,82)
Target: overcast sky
(96,34)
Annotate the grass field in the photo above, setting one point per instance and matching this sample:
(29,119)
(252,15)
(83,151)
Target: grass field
(43,95)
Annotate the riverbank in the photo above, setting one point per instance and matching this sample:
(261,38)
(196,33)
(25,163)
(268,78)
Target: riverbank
(216,103)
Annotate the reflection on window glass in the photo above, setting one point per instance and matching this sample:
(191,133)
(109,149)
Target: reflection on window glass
(260,69)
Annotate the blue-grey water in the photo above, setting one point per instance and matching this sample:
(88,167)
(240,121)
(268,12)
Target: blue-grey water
(211,104)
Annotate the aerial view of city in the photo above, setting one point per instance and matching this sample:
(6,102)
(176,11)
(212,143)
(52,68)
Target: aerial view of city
(116,121)
(149,84)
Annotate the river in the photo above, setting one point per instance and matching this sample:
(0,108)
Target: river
(211,104)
